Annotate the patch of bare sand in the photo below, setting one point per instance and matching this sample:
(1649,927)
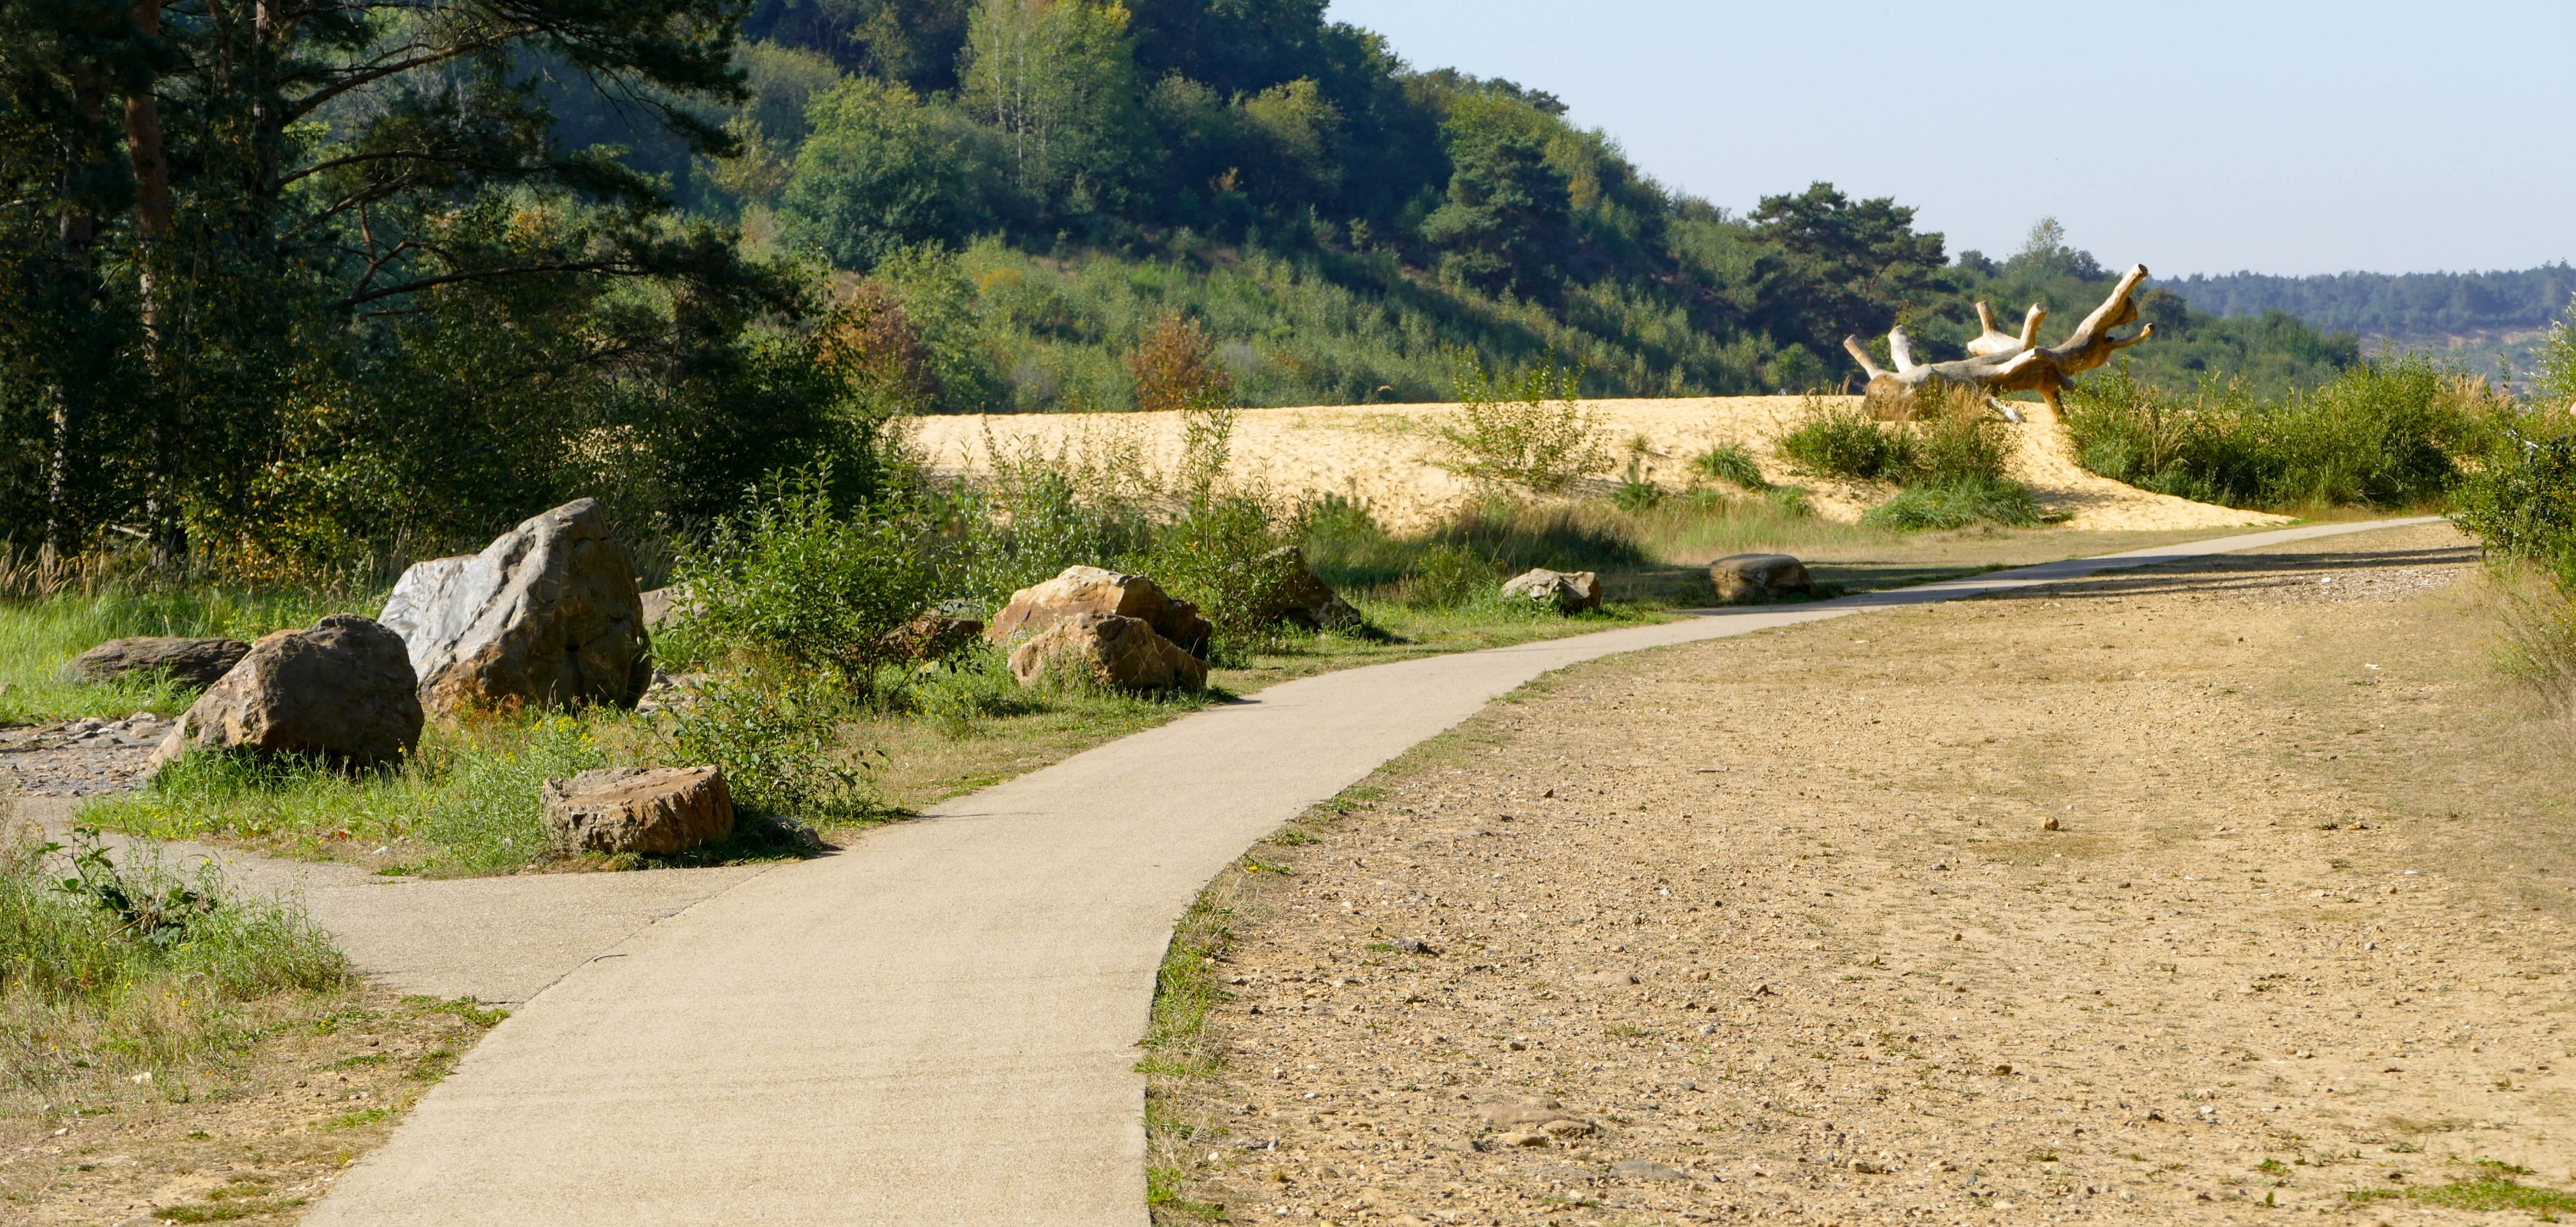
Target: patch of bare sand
(1774,920)
(1384,455)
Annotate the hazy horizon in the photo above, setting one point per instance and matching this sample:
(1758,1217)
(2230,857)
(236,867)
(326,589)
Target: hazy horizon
(2286,143)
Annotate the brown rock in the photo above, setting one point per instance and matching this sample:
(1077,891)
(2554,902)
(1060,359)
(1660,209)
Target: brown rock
(342,691)
(1300,596)
(547,615)
(932,637)
(1091,590)
(1523,1137)
(1568,591)
(1108,650)
(1737,576)
(1566,1127)
(655,811)
(189,662)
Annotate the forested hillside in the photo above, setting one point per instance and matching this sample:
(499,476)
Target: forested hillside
(304,280)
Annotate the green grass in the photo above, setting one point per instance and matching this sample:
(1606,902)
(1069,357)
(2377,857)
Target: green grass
(140,970)
(1959,505)
(39,635)
(2491,1189)
(468,802)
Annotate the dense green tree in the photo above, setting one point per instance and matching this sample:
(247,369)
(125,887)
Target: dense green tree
(1840,267)
(1507,223)
(1057,80)
(881,173)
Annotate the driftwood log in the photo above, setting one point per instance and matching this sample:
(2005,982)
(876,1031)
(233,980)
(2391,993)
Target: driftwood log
(1999,362)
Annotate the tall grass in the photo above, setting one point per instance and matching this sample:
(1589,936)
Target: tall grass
(54,609)
(133,967)
(2383,434)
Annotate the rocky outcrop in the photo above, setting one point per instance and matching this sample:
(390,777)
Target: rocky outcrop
(1107,650)
(1567,591)
(189,662)
(341,691)
(662,604)
(1091,590)
(546,615)
(656,811)
(1300,596)
(1741,576)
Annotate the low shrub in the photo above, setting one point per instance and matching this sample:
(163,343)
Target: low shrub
(130,966)
(791,577)
(1845,441)
(778,737)
(2384,434)
(1527,429)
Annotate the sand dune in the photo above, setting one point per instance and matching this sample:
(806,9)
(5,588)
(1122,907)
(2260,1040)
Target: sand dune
(1384,455)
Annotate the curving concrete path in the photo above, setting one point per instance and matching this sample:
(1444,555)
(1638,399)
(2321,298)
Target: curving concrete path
(938,1026)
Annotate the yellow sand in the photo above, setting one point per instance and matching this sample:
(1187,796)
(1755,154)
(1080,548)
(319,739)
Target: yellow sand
(1385,456)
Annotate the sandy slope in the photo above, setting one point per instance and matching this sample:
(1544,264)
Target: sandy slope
(1383,455)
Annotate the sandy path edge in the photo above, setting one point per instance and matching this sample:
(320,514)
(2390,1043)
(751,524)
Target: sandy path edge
(938,1026)
(1382,455)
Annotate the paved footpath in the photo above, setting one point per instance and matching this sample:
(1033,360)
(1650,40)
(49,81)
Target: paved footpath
(939,1025)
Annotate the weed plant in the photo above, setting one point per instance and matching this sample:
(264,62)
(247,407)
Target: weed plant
(2384,434)
(115,967)
(1731,462)
(795,579)
(1963,504)
(1526,429)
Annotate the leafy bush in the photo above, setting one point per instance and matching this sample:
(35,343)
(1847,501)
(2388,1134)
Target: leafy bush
(2522,503)
(2381,434)
(778,739)
(1730,462)
(1845,441)
(789,577)
(1222,555)
(1526,429)
(1175,368)
(131,966)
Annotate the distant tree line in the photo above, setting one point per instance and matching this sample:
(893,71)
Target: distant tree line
(2400,305)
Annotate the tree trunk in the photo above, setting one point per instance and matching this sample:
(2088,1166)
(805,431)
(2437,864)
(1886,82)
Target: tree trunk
(1998,362)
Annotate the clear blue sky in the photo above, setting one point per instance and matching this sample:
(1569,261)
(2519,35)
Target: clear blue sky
(2188,136)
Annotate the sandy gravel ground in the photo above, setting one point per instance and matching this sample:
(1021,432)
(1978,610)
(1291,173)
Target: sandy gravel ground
(1383,455)
(1770,928)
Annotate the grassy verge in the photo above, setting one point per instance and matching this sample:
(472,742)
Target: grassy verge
(38,634)
(167,1042)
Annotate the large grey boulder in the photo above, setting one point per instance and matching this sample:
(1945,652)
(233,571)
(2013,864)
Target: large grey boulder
(1107,650)
(1566,591)
(1077,591)
(1758,575)
(341,690)
(654,811)
(547,615)
(189,662)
